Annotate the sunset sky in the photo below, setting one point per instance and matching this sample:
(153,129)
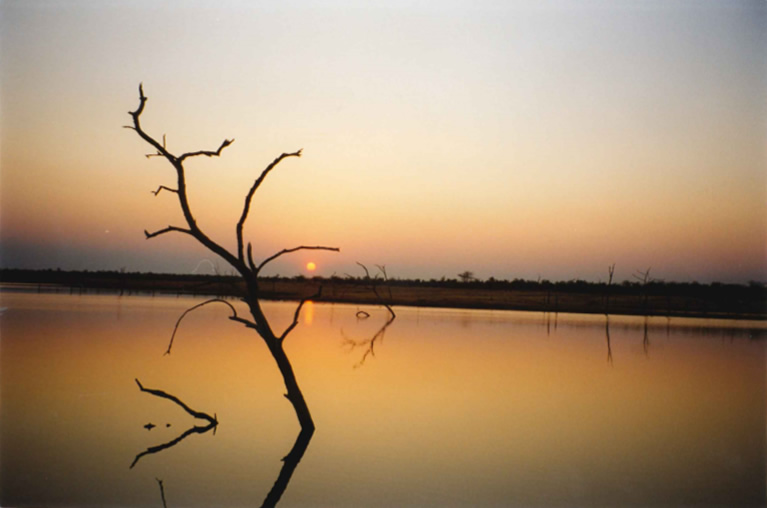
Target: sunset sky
(514,139)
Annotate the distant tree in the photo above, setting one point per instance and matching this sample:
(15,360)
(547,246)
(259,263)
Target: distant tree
(466,276)
(610,272)
(241,260)
(644,279)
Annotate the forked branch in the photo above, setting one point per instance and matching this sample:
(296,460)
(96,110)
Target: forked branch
(162,187)
(207,153)
(180,191)
(166,230)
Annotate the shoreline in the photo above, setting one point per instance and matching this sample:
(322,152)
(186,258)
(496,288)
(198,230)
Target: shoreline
(705,302)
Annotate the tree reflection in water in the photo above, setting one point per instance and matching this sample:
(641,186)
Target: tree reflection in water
(289,464)
(290,461)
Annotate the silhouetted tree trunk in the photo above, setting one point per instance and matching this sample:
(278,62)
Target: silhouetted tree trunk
(242,260)
(611,272)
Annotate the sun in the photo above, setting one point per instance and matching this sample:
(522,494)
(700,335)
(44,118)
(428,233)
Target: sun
(311,266)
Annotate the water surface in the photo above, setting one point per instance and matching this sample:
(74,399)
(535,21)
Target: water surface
(452,407)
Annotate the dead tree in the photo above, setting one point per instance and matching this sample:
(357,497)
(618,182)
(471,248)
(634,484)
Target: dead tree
(644,279)
(611,272)
(241,260)
(369,344)
(466,276)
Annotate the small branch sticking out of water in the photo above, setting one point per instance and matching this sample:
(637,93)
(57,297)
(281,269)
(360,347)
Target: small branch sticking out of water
(173,398)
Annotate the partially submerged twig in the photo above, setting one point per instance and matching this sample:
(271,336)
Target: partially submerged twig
(173,398)
(212,423)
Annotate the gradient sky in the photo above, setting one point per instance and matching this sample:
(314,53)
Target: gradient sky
(512,139)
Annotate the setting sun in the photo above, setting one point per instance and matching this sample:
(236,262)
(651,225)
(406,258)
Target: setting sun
(311,266)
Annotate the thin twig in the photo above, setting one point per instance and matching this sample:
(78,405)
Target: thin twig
(166,230)
(294,249)
(233,317)
(162,187)
(298,312)
(207,153)
(251,192)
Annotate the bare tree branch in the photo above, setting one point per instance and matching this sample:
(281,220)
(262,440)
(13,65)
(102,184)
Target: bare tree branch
(298,312)
(166,230)
(246,268)
(367,273)
(373,288)
(251,192)
(162,187)
(233,317)
(159,393)
(177,164)
(207,153)
(294,249)
(137,126)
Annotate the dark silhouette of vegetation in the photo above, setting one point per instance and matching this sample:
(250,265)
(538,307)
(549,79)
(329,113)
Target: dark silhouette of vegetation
(663,298)
(466,276)
(241,261)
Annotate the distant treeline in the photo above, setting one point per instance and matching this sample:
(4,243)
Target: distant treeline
(628,297)
(751,291)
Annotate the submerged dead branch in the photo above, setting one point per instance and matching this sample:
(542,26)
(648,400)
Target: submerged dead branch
(159,393)
(212,423)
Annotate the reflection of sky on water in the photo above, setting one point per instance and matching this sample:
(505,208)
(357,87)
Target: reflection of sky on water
(457,408)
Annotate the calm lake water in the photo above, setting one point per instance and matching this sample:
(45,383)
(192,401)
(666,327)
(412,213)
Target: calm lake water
(454,408)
